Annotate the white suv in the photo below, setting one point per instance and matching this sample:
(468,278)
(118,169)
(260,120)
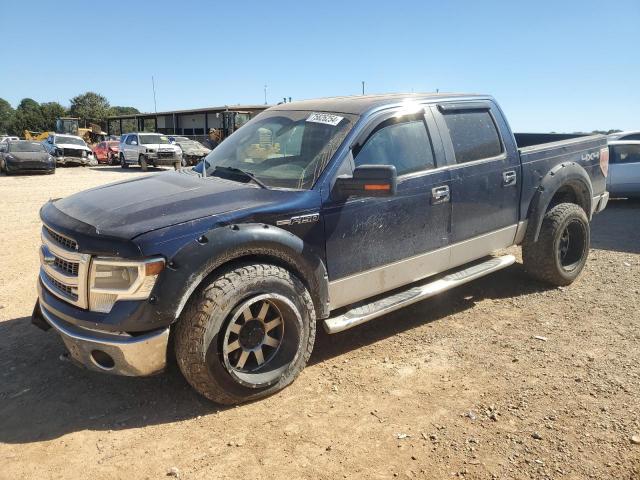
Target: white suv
(149,149)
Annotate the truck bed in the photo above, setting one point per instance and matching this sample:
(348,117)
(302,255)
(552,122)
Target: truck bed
(527,140)
(540,152)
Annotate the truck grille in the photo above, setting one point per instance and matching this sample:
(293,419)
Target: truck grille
(63,270)
(70,267)
(165,154)
(61,240)
(62,288)
(72,152)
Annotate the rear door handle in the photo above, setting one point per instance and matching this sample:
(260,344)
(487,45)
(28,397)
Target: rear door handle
(440,195)
(509,178)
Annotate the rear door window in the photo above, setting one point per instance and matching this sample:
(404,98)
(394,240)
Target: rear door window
(405,145)
(625,154)
(474,135)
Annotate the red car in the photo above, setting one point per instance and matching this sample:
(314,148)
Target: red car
(107,152)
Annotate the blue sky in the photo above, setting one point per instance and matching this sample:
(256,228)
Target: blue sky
(552,65)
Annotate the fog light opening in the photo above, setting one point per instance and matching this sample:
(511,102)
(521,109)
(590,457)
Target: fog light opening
(102,359)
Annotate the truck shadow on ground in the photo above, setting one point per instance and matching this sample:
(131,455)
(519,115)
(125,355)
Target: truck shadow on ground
(44,396)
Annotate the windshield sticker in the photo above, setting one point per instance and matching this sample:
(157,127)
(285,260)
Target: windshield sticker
(326,118)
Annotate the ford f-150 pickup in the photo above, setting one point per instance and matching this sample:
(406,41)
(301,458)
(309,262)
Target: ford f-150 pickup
(334,211)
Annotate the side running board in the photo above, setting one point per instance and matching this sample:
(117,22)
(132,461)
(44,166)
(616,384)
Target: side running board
(364,312)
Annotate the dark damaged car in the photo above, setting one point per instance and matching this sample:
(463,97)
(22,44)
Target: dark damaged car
(25,156)
(192,151)
(324,212)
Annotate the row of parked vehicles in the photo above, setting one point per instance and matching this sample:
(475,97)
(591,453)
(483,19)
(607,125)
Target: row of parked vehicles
(143,149)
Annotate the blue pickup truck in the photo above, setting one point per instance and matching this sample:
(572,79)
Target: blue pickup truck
(335,211)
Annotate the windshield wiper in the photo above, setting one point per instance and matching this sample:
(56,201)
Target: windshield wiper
(248,175)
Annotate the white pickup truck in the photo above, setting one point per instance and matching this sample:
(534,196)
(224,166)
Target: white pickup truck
(68,150)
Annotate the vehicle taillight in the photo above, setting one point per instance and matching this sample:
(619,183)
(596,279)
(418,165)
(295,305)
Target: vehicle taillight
(604,160)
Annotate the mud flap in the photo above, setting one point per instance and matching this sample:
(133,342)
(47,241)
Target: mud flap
(37,319)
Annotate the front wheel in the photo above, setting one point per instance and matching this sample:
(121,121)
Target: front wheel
(123,162)
(246,334)
(562,248)
(143,162)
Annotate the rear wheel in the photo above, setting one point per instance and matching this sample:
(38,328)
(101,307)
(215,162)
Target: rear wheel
(246,334)
(562,248)
(123,162)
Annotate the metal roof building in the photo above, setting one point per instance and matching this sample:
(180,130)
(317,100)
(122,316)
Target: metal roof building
(194,123)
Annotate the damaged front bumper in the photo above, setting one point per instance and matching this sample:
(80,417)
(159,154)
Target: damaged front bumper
(117,353)
(78,161)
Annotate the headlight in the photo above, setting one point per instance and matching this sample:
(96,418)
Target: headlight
(150,150)
(50,159)
(84,154)
(113,279)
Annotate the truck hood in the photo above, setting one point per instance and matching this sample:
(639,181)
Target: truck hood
(72,146)
(127,209)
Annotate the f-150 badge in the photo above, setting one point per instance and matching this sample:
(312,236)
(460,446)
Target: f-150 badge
(310,218)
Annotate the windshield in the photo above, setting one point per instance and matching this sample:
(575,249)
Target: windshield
(154,140)
(70,140)
(286,149)
(25,147)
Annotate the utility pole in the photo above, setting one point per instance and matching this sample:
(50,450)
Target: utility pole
(362,87)
(265,94)
(153,84)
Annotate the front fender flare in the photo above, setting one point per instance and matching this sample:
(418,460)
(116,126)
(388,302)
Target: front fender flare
(568,174)
(221,245)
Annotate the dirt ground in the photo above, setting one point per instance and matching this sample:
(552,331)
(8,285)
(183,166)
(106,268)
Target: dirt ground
(501,378)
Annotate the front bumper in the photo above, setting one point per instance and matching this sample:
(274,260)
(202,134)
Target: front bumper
(73,160)
(110,352)
(13,167)
(163,160)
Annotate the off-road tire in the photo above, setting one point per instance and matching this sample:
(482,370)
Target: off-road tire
(542,259)
(123,162)
(143,163)
(201,327)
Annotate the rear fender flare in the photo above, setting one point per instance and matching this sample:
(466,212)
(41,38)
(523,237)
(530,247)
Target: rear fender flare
(223,245)
(568,174)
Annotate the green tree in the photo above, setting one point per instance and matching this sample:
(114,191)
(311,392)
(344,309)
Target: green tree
(50,112)
(28,116)
(115,110)
(89,107)
(6,116)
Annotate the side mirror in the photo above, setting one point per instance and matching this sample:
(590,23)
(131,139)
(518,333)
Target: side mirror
(133,142)
(368,181)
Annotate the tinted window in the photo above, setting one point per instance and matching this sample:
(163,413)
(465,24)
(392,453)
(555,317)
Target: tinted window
(405,145)
(625,154)
(131,138)
(635,136)
(474,135)
(26,147)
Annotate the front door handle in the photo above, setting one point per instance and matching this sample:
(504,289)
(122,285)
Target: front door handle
(509,178)
(440,195)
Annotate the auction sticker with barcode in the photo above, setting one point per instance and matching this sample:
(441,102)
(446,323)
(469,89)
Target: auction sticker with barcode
(326,118)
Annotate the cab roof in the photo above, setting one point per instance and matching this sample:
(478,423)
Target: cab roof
(360,104)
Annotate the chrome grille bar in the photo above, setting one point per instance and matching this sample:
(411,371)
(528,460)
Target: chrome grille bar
(63,270)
